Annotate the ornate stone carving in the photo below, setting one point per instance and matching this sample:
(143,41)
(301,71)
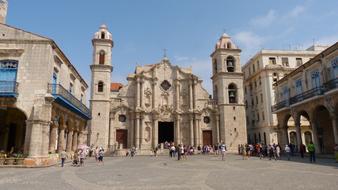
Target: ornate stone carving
(147,93)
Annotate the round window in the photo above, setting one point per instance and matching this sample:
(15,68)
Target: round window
(122,118)
(206,119)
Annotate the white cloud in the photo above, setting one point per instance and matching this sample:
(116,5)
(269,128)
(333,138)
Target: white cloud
(297,11)
(265,20)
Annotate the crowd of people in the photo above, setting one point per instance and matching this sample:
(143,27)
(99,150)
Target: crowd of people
(181,151)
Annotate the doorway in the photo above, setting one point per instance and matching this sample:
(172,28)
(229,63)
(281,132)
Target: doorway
(165,132)
(122,136)
(207,137)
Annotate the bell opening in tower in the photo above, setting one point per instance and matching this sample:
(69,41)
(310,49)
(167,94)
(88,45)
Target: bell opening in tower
(165,132)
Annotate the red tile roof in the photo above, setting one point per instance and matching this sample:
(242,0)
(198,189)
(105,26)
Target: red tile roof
(115,87)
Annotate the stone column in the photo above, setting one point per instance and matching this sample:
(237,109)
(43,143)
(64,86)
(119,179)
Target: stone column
(177,95)
(194,94)
(334,127)
(192,130)
(314,134)
(138,92)
(52,138)
(195,132)
(141,131)
(132,130)
(61,139)
(217,128)
(177,130)
(79,138)
(286,134)
(190,95)
(298,133)
(199,137)
(69,141)
(154,94)
(155,131)
(137,131)
(39,139)
(141,93)
(75,135)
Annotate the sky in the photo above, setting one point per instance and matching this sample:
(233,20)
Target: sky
(188,29)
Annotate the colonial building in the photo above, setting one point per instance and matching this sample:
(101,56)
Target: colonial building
(260,73)
(42,97)
(310,91)
(163,102)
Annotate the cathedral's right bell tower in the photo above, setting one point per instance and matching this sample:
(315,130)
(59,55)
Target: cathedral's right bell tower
(227,80)
(100,87)
(3,11)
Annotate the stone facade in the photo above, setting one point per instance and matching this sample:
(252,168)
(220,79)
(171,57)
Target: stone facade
(160,103)
(260,74)
(310,92)
(42,98)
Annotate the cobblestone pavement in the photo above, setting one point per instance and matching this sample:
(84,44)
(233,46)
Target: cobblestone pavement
(197,172)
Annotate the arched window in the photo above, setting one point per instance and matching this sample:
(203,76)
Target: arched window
(215,66)
(102,57)
(230,61)
(103,35)
(232,91)
(100,86)
(229,45)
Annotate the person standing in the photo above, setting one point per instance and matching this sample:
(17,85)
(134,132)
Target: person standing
(312,151)
(288,151)
(223,149)
(63,156)
(302,150)
(101,153)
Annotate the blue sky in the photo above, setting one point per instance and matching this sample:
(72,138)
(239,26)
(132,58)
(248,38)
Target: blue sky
(188,29)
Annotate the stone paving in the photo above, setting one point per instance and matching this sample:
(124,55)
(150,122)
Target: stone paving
(197,172)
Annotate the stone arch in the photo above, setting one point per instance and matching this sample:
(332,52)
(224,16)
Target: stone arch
(322,122)
(12,130)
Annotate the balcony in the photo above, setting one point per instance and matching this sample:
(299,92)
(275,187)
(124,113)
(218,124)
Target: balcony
(9,89)
(68,100)
(330,85)
(326,87)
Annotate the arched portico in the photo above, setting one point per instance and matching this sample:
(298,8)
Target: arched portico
(12,130)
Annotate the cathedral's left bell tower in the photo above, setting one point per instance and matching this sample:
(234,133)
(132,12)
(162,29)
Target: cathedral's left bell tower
(101,69)
(3,11)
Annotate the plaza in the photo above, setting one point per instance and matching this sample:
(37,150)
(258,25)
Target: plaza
(197,172)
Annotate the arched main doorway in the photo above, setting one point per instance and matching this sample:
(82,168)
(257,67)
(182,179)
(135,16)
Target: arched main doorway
(323,124)
(12,130)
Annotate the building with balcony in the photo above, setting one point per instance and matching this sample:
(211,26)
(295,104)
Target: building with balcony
(42,98)
(311,92)
(260,73)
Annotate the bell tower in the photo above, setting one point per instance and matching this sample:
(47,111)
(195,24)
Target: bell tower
(227,80)
(101,69)
(3,11)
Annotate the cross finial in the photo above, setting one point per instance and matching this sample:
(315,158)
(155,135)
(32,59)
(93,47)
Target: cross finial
(164,52)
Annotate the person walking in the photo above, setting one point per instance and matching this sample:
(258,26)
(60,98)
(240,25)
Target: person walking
(287,151)
(312,151)
(179,152)
(223,149)
(63,156)
(101,153)
(278,151)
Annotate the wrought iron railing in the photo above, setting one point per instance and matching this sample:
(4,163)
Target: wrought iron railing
(280,105)
(330,85)
(326,87)
(306,95)
(57,89)
(8,87)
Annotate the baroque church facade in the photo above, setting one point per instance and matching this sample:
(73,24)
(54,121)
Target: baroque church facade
(163,102)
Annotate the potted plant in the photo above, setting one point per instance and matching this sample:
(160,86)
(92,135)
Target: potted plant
(19,159)
(2,158)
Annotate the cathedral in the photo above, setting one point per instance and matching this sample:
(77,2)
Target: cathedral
(163,102)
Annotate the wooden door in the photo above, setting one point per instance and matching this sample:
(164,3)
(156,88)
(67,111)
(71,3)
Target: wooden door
(207,137)
(122,137)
